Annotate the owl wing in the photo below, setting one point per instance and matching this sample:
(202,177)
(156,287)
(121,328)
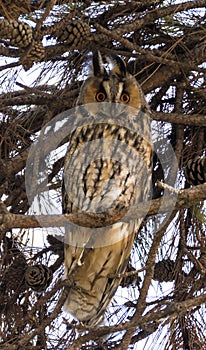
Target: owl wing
(94,257)
(94,275)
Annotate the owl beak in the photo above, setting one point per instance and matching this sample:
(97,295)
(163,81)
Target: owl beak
(116,109)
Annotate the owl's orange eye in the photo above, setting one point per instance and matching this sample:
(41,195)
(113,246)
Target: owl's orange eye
(124,98)
(100,96)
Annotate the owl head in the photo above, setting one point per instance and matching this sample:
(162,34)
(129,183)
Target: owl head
(111,85)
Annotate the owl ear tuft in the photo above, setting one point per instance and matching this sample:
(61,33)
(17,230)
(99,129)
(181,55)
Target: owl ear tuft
(98,67)
(119,66)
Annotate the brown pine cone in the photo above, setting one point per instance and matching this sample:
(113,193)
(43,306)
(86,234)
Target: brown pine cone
(38,277)
(36,54)
(164,271)
(74,34)
(19,34)
(14,274)
(195,171)
(12,9)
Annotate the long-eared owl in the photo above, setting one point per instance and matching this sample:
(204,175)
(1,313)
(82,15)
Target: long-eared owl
(107,168)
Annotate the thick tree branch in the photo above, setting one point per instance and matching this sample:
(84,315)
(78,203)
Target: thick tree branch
(177,118)
(185,199)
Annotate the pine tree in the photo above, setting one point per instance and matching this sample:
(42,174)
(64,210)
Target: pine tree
(45,49)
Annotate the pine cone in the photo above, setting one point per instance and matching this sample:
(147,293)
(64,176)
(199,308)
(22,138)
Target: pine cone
(12,9)
(195,171)
(164,271)
(36,54)
(74,34)
(38,277)
(14,274)
(20,34)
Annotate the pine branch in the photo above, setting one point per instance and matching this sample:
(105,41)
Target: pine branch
(177,118)
(185,199)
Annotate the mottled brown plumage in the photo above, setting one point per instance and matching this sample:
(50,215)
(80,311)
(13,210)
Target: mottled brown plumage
(107,167)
